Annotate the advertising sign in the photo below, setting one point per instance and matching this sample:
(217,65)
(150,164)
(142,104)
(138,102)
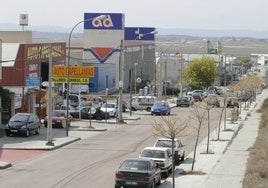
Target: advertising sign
(113,21)
(139,33)
(32,81)
(74,71)
(71,80)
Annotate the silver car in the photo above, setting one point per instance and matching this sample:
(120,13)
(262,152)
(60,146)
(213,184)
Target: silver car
(179,152)
(162,156)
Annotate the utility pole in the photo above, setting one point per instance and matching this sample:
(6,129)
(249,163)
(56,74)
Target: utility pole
(120,84)
(49,107)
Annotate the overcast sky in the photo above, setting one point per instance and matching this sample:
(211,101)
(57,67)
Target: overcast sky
(190,14)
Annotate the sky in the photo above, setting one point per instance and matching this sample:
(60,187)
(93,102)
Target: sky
(189,14)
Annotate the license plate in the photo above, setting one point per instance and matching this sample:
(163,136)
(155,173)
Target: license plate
(131,183)
(14,131)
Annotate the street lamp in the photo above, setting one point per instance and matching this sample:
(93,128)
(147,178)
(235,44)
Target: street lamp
(101,17)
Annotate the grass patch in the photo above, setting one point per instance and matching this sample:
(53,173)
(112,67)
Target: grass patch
(256,174)
(192,172)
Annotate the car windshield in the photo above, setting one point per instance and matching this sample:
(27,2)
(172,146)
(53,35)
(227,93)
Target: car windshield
(159,104)
(58,114)
(153,154)
(109,105)
(135,165)
(164,143)
(183,98)
(19,118)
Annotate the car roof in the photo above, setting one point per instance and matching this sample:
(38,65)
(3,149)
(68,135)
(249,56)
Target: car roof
(167,139)
(155,148)
(138,159)
(23,113)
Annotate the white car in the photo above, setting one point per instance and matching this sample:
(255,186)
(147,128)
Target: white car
(110,107)
(162,156)
(179,152)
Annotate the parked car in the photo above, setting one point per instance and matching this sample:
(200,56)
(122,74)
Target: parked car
(178,150)
(232,102)
(89,112)
(197,97)
(137,172)
(23,124)
(161,108)
(213,100)
(162,156)
(110,107)
(195,91)
(142,103)
(58,119)
(185,101)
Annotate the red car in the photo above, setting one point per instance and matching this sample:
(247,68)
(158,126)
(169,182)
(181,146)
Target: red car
(58,119)
(197,97)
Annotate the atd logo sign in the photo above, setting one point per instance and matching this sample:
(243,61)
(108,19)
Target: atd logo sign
(113,21)
(105,23)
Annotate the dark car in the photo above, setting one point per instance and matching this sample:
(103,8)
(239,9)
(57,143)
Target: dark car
(185,101)
(160,108)
(138,172)
(88,112)
(58,119)
(24,124)
(232,102)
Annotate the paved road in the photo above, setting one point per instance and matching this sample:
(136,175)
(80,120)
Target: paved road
(92,160)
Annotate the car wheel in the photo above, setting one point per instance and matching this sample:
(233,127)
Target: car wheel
(27,133)
(159,181)
(37,131)
(7,133)
(182,157)
(148,109)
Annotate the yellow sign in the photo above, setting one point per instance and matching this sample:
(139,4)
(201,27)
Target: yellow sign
(71,80)
(74,71)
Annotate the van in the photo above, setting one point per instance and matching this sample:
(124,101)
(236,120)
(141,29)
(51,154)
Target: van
(142,103)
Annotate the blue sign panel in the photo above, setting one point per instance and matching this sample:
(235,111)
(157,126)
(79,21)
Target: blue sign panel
(113,21)
(139,33)
(32,81)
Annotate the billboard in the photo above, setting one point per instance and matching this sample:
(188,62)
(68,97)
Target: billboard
(139,33)
(74,71)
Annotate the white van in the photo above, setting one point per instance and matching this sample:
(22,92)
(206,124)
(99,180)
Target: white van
(142,103)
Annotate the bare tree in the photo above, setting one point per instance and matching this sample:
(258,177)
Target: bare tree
(169,127)
(199,114)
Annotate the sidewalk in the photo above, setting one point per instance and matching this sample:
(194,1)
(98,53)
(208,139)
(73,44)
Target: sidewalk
(226,167)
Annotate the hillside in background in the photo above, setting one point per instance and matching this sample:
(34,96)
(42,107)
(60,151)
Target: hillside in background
(162,31)
(187,41)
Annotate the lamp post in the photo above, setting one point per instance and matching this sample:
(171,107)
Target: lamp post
(101,17)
